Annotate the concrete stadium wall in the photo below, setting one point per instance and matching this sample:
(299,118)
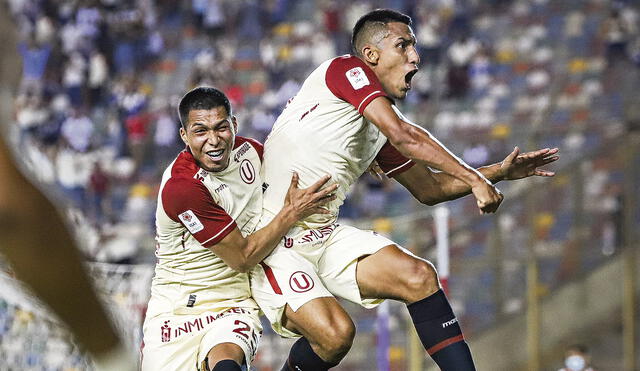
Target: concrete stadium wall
(575,309)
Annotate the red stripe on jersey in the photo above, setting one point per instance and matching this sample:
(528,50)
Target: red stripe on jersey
(272,279)
(445,343)
(351,80)
(254,143)
(391,161)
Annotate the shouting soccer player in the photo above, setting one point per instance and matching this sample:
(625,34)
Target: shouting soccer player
(341,121)
(201,314)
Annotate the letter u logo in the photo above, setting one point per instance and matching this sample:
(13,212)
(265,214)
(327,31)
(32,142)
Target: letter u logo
(301,282)
(247,172)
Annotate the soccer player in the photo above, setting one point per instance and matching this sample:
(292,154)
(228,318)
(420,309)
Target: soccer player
(37,244)
(201,314)
(341,121)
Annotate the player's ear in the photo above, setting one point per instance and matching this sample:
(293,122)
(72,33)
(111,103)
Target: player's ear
(234,122)
(370,54)
(183,135)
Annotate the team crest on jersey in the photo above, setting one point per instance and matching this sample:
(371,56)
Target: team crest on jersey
(247,172)
(165,332)
(300,282)
(191,221)
(357,78)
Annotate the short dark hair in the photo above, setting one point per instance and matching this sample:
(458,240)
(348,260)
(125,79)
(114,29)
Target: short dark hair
(579,348)
(374,18)
(202,97)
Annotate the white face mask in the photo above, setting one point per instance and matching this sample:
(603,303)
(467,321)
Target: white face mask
(574,363)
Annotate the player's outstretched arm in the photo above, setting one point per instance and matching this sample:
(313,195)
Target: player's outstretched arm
(431,187)
(242,254)
(417,144)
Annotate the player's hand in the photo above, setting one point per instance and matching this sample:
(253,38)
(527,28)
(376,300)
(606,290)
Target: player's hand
(308,201)
(518,166)
(488,197)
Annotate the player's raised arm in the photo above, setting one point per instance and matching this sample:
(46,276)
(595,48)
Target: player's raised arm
(417,144)
(242,254)
(431,187)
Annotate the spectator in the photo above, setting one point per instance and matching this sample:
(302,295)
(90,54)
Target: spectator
(460,55)
(98,74)
(616,34)
(77,130)
(577,358)
(34,60)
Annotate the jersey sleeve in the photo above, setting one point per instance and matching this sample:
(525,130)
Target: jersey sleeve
(351,80)
(188,202)
(392,162)
(259,147)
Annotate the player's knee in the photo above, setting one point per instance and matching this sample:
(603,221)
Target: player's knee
(420,280)
(337,339)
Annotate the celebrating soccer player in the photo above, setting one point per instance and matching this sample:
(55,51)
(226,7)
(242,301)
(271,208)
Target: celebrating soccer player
(340,122)
(201,314)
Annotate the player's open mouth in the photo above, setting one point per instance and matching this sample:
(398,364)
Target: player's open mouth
(216,155)
(408,77)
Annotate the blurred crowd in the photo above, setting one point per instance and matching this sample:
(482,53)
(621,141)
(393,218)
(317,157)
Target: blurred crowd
(96,117)
(96,113)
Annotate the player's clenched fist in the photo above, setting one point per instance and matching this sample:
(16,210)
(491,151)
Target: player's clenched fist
(304,202)
(488,197)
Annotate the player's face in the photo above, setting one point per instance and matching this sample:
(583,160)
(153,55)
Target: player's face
(398,60)
(210,135)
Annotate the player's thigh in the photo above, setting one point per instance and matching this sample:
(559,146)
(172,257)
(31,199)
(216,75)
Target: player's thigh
(320,320)
(163,350)
(285,278)
(233,334)
(338,264)
(395,273)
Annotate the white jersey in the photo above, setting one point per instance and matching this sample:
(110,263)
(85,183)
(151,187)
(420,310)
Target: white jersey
(196,209)
(322,131)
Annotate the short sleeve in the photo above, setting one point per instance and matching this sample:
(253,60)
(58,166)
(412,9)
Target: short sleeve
(391,161)
(259,147)
(187,201)
(351,80)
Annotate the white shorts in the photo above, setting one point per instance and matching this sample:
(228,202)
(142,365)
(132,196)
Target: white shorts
(313,263)
(181,342)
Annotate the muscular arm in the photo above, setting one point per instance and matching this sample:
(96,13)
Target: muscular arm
(241,254)
(430,187)
(417,144)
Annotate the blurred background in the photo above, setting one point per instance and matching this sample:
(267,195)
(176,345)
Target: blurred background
(96,124)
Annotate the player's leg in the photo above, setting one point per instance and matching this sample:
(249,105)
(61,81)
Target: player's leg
(394,273)
(327,332)
(230,341)
(294,299)
(162,349)
(223,357)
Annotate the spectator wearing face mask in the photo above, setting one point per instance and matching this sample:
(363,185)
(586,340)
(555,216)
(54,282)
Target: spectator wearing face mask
(577,358)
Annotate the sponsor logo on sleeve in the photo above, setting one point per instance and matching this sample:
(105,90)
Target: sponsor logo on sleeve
(191,221)
(357,78)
